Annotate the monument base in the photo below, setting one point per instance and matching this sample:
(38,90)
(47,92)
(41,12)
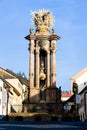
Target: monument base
(34,117)
(52,94)
(50,108)
(34,95)
(45,100)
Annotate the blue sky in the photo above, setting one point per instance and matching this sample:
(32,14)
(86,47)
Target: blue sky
(70,25)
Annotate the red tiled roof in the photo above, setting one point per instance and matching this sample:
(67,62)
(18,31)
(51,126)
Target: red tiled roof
(66,94)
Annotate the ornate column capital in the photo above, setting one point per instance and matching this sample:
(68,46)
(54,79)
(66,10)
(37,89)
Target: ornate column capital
(53,45)
(53,51)
(31,50)
(37,49)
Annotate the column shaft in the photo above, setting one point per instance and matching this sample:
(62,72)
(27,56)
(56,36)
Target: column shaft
(53,68)
(48,69)
(31,70)
(37,68)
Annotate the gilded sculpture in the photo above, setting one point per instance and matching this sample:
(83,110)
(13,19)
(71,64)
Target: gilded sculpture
(42,20)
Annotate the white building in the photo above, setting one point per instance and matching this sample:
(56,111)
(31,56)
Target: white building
(12,91)
(3,99)
(82,108)
(81,80)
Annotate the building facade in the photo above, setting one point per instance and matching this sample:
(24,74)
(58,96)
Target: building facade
(12,91)
(82,107)
(3,99)
(81,80)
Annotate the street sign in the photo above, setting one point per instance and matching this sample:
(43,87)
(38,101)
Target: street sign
(78,99)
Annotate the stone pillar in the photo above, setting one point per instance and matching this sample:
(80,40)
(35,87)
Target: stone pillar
(37,67)
(53,68)
(48,69)
(31,69)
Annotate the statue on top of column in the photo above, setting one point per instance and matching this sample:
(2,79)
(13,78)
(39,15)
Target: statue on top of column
(42,20)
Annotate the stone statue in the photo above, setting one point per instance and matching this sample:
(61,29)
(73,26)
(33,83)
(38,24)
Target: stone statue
(43,20)
(42,74)
(53,31)
(31,31)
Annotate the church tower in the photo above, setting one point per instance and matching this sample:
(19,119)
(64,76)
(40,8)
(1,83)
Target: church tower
(42,61)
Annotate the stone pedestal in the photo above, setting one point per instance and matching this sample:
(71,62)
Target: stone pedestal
(34,95)
(51,94)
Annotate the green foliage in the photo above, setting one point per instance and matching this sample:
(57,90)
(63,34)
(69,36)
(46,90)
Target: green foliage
(21,74)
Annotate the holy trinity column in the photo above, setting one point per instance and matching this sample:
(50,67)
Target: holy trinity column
(42,60)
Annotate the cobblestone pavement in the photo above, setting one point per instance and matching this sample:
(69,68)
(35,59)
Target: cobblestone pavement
(4,125)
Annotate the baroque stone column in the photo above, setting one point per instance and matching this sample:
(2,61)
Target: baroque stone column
(37,67)
(54,68)
(48,68)
(31,69)
(53,63)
